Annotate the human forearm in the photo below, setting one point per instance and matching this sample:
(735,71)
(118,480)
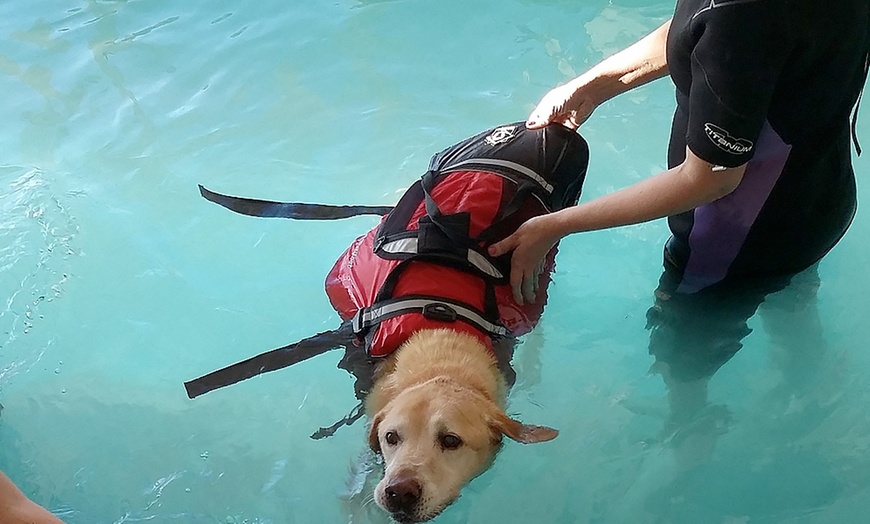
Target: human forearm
(674,191)
(691,184)
(16,508)
(642,62)
(572,103)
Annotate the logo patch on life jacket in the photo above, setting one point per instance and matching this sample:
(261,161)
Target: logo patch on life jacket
(500,135)
(726,142)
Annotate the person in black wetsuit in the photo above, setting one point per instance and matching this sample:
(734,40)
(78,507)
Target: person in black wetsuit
(760,184)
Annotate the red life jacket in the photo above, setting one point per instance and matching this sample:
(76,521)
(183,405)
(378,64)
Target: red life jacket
(426,266)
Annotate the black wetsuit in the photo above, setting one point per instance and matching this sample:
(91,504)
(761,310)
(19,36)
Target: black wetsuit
(771,83)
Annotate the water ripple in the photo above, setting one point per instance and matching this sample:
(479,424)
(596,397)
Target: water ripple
(37,237)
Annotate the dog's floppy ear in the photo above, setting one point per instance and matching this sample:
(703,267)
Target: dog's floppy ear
(516,430)
(376,402)
(374,443)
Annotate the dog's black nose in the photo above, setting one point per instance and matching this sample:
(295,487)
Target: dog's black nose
(403,495)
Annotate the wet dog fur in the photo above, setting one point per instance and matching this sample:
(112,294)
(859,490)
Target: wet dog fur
(437,417)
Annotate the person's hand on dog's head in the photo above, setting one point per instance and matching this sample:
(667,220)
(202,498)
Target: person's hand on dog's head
(530,244)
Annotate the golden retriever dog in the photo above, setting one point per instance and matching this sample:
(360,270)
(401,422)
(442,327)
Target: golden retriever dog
(437,417)
(16,508)
(421,299)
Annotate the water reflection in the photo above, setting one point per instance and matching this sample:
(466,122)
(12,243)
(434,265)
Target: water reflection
(694,336)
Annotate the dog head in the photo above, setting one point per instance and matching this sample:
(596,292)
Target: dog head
(435,437)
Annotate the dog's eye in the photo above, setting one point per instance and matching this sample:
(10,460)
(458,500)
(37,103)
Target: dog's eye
(392,438)
(450,441)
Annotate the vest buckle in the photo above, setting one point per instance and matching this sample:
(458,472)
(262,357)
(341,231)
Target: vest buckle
(439,311)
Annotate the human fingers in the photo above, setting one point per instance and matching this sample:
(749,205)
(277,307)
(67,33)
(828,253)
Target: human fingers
(539,118)
(537,278)
(571,120)
(516,284)
(525,270)
(506,245)
(532,281)
(529,287)
(548,109)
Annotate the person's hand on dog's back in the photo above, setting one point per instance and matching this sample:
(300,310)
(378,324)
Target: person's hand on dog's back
(530,244)
(573,103)
(570,105)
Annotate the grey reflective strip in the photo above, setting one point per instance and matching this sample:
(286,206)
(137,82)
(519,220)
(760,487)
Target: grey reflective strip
(505,163)
(356,321)
(367,317)
(403,245)
(409,246)
(481,263)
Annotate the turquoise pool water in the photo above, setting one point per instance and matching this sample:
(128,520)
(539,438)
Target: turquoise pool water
(118,282)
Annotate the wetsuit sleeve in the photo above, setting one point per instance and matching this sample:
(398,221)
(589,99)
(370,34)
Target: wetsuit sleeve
(736,63)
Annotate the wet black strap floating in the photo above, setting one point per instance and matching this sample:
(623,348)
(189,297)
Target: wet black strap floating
(355,414)
(271,360)
(294,210)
